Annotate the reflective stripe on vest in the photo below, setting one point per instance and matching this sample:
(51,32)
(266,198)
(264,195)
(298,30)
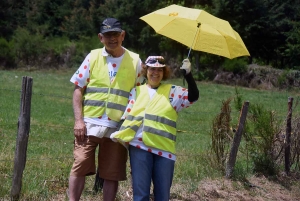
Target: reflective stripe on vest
(131,119)
(160,133)
(118,92)
(101,95)
(161,120)
(159,130)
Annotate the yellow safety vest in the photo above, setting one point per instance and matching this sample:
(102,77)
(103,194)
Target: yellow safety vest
(101,95)
(158,115)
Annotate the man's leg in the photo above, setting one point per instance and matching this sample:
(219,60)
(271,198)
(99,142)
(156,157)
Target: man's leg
(76,185)
(110,189)
(112,159)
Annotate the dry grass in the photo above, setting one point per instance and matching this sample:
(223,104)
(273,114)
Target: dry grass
(256,188)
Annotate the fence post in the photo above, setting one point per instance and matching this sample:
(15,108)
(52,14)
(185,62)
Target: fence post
(22,138)
(236,141)
(287,151)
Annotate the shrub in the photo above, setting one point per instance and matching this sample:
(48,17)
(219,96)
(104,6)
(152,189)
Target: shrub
(83,46)
(7,56)
(220,136)
(207,74)
(261,132)
(28,47)
(238,65)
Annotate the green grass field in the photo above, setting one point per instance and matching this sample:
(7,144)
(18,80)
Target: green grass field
(49,152)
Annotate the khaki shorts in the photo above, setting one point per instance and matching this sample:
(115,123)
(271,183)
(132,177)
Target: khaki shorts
(112,158)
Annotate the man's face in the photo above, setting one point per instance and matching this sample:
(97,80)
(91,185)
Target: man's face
(112,40)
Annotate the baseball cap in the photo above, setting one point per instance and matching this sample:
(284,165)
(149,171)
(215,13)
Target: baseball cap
(155,61)
(110,24)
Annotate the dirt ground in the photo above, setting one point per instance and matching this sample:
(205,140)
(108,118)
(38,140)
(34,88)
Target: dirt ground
(256,188)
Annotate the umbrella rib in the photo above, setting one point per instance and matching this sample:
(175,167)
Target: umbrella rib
(226,42)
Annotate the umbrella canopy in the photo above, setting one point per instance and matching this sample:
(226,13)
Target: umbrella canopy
(198,30)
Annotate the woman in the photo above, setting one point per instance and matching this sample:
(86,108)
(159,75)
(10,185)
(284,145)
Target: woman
(150,128)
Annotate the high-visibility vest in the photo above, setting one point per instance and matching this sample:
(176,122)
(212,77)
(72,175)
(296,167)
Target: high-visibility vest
(158,116)
(101,95)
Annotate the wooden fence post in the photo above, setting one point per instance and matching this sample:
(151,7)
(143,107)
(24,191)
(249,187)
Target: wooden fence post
(22,138)
(236,141)
(287,151)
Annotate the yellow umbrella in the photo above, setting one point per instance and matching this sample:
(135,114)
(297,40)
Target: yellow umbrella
(198,30)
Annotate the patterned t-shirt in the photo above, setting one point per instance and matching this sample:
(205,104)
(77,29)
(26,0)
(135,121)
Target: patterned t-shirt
(81,78)
(179,100)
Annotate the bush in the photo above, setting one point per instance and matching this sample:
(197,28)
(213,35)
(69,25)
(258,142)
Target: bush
(58,53)
(28,47)
(207,74)
(264,164)
(33,50)
(83,46)
(238,65)
(220,136)
(7,56)
(261,131)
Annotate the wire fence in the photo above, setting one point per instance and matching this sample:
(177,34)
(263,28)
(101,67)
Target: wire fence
(69,126)
(9,123)
(282,110)
(40,129)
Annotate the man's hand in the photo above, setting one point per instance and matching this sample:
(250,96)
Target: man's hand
(79,130)
(186,65)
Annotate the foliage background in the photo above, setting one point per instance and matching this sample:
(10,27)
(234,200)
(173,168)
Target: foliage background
(55,34)
(43,34)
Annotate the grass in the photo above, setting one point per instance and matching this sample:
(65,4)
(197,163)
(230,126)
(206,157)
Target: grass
(49,152)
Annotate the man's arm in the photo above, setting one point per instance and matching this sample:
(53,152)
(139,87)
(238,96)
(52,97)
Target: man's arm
(79,126)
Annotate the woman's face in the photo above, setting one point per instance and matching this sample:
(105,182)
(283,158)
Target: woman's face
(154,76)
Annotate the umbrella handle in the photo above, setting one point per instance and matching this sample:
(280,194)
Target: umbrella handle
(198,25)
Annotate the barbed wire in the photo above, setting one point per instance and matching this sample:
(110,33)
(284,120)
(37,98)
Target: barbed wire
(41,125)
(71,126)
(38,159)
(202,112)
(39,94)
(71,157)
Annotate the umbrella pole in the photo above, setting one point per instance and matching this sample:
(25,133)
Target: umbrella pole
(183,72)
(194,39)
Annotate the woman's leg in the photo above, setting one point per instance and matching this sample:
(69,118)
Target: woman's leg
(141,163)
(163,170)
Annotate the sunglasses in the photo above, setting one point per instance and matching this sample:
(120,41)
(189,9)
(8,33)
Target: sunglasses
(111,34)
(153,61)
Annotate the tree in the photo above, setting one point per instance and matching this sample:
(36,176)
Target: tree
(12,14)
(292,50)
(79,23)
(261,24)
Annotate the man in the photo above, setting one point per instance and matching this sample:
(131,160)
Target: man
(102,86)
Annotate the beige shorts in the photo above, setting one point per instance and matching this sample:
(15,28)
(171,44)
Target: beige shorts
(112,158)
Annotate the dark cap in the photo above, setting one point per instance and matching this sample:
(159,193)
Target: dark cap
(110,24)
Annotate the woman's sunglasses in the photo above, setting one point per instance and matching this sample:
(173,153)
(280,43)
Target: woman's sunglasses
(153,61)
